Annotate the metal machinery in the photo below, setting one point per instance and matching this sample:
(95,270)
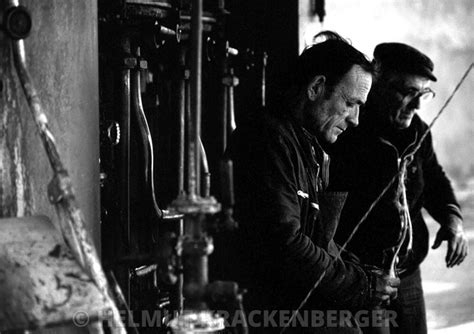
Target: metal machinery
(167,108)
(168,99)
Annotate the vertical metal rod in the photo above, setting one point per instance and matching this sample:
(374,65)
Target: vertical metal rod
(196,68)
(205,168)
(224,111)
(191,146)
(195,263)
(264,78)
(231,109)
(180,283)
(182,117)
(183,107)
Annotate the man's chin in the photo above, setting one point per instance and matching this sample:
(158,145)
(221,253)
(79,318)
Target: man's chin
(403,122)
(331,139)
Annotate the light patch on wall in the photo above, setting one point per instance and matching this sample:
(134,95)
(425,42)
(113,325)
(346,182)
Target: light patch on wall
(20,180)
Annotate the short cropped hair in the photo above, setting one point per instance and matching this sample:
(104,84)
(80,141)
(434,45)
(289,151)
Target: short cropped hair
(333,58)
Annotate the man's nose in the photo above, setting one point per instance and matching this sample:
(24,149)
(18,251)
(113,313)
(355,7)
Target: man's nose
(353,117)
(415,103)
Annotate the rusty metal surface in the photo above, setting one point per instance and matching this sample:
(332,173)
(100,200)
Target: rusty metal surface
(42,283)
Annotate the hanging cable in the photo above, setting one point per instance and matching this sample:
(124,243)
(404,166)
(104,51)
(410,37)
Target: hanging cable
(406,161)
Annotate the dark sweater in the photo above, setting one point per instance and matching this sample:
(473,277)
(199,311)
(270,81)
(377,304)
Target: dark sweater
(363,162)
(287,222)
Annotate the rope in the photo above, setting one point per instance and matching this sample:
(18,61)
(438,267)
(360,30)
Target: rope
(405,220)
(407,159)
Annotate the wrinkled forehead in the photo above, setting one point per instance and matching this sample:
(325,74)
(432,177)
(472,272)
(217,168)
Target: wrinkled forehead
(356,82)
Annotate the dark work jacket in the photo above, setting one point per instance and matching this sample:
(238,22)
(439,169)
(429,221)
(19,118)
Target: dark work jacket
(364,161)
(284,243)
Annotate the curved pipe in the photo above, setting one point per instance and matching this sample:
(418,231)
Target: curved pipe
(230,100)
(35,106)
(146,138)
(205,168)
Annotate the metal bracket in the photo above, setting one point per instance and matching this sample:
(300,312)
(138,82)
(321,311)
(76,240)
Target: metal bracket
(60,188)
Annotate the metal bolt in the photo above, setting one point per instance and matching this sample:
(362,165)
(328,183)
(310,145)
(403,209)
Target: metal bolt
(17,22)
(130,62)
(143,64)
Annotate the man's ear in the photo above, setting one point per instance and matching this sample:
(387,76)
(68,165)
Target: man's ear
(315,88)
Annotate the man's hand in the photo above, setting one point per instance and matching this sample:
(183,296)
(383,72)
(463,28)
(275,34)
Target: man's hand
(383,287)
(453,233)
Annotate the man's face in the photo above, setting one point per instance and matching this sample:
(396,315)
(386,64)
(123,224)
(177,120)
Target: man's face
(403,96)
(331,115)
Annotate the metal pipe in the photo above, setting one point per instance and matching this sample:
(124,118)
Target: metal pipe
(196,69)
(196,249)
(146,137)
(229,81)
(182,116)
(145,270)
(119,296)
(183,107)
(264,78)
(224,111)
(205,167)
(231,109)
(180,283)
(224,119)
(191,147)
(35,105)
(196,279)
(227,184)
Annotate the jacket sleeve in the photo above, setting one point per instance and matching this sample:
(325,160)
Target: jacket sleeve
(266,196)
(439,198)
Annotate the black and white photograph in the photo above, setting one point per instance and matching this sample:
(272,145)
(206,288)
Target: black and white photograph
(236,166)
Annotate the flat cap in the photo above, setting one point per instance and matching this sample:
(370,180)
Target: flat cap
(404,58)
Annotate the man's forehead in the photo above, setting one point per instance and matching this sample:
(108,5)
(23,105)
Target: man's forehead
(412,80)
(356,84)
(357,78)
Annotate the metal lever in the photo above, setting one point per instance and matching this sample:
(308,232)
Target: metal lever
(145,132)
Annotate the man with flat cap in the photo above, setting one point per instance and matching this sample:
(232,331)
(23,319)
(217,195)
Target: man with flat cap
(366,159)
